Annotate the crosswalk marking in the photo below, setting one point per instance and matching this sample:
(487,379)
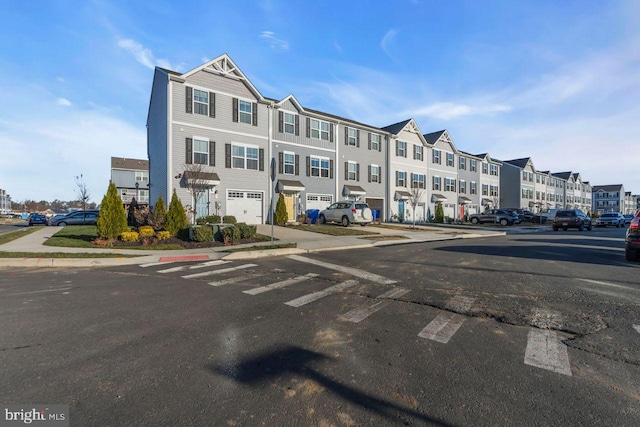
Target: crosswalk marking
(359,314)
(221,271)
(153,264)
(349,270)
(173,260)
(306,299)
(279,285)
(637,328)
(192,267)
(445,325)
(544,349)
(232,280)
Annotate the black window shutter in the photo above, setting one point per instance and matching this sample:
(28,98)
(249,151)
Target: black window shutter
(397,179)
(379,175)
(397,148)
(357,171)
(280,162)
(212,153)
(369,173)
(415,150)
(189,152)
(189,101)
(369,140)
(308,166)
(346,171)
(331,169)
(308,127)
(255,113)
(405,149)
(280,121)
(297,125)
(227,155)
(411,185)
(297,164)
(330,132)
(380,144)
(212,104)
(346,136)
(358,138)
(261,158)
(235,110)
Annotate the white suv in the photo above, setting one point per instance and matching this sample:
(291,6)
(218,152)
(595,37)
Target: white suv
(347,212)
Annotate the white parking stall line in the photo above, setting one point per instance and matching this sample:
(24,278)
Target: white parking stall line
(213,272)
(361,274)
(445,325)
(637,328)
(359,314)
(233,280)
(306,299)
(279,285)
(191,267)
(544,348)
(152,264)
(38,292)
(613,285)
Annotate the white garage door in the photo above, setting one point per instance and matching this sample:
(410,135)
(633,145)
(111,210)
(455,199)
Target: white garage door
(319,201)
(246,206)
(449,210)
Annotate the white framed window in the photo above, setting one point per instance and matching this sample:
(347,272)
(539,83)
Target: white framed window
(245,109)
(463,163)
(352,136)
(200,151)
(320,129)
(352,171)
(485,190)
(462,188)
(537,179)
(418,153)
(530,176)
(537,195)
(436,157)
(244,156)
(375,141)
(289,123)
(143,196)
(142,176)
(289,160)
(485,168)
(494,170)
(524,175)
(402,149)
(402,179)
(473,165)
(450,159)
(436,183)
(473,188)
(200,102)
(418,181)
(375,173)
(450,184)
(319,167)
(542,179)
(493,190)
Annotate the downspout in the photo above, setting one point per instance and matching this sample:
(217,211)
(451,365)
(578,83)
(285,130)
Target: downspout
(337,169)
(169,142)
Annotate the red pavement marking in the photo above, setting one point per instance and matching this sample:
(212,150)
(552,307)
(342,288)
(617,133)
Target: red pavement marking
(183,258)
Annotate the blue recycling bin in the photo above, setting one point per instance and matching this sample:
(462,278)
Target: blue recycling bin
(376,214)
(312,214)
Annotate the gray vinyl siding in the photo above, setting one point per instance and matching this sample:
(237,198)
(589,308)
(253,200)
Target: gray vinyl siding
(364,157)
(468,176)
(125,179)
(510,186)
(301,138)
(157,138)
(227,85)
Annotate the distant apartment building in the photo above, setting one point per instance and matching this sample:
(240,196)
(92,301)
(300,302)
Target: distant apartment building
(131,177)
(630,203)
(608,198)
(5,202)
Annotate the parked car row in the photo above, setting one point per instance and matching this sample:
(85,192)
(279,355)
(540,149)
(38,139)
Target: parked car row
(89,217)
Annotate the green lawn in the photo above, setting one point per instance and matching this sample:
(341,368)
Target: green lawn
(74,236)
(334,230)
(13,235)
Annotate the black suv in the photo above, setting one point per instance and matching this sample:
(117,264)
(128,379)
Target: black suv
(632,239)
(571,218)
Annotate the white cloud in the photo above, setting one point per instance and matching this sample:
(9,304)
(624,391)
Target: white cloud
(273,41)
(450,110)
(387,40)
(145,56)
(64,102)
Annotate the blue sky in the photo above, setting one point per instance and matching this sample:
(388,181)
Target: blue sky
(558,81)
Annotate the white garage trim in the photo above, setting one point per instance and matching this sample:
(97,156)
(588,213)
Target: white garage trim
(247,206)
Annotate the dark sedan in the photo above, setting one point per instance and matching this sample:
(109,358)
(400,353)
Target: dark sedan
(632,239)
(76,218)
(36,218)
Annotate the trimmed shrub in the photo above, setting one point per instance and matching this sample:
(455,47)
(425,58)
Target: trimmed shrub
(163,235)
(129,236)
(176,219)
(281,211)
(112,220)
(159,214)
(203,234)
(211,219)
(231,235)
(146,231)
(246,231)
(183,234)
(229,219)
(439,218)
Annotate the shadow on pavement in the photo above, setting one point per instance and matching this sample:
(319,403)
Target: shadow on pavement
(618,243)
(296,361)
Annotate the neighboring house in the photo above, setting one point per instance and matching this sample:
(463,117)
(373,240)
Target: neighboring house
(131,177)
(517,183)
(608,198)
(577,194)
(443,172)
(489,171)
(630,203)
(5,202)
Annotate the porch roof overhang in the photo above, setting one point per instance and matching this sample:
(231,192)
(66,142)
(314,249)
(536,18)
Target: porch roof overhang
(353,190)
(465,200)
(287,186)
(438,198)
(401,195)
(204,179)
(486,201)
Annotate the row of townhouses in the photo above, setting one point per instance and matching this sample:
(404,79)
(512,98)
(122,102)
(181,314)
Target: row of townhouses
(5,202)
(212,125)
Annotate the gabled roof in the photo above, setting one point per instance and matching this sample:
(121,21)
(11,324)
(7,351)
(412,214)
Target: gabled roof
(563,175)
(441,135)
(407,126)
(614,187)
(576,176)
(521,163)
(130,164)
(293,100)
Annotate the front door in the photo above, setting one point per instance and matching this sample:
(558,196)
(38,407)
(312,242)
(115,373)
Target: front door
(401,210)
(289,202)
(202,203)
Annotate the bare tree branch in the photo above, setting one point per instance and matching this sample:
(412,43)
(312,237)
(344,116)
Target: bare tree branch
(83,192)
(415,197)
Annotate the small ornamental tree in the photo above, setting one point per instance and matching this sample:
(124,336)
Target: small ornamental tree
(112,220)
(439,218)
(281,211)
(176,219)
(159,214)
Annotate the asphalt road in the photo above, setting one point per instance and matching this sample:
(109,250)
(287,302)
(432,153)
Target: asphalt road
(530,329)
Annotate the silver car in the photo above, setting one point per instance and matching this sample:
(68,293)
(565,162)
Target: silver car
(76,218)
(610,218)
(347,212)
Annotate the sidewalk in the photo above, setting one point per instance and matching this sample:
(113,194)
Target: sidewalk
(305,241)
